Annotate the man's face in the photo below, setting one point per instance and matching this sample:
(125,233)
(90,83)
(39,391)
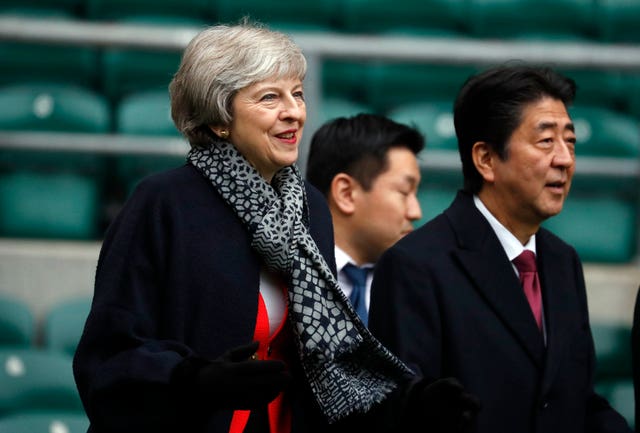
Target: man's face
(533,181)
(387,211)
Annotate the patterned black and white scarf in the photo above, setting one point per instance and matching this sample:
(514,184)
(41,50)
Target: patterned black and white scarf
(347,368)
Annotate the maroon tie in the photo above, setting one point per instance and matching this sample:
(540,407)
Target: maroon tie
(526,264)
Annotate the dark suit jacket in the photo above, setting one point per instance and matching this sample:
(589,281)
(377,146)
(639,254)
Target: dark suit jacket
(447,301)
(635,357)
(176,277)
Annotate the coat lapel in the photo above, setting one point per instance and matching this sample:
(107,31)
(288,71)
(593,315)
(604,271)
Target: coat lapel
(559,303)
(482,257)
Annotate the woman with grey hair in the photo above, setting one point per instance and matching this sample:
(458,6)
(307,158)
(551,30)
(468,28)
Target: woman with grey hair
(216,307)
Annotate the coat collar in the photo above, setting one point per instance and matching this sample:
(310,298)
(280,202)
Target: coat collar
(481,255)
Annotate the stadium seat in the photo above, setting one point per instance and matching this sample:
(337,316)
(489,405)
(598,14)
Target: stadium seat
(342,78)
(433,198)
(391,84)
(514,18)
(289,15)
(601,226)
(613,350)
(149,114)
(17,323)
(45,422)
(409,16)
(27,62)
(146,113)
(618,21)
(34,379)
(52,107)
(115,10)
(127,71)
(619,393)
(48,205)
(340,107)
(604,132)
(597,87)
(632,99)
(434,119)
(64,323)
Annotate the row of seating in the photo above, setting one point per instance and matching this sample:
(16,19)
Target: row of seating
(606,20)
(115,74)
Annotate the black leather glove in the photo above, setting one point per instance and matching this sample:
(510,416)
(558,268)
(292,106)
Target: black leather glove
(234,380)
(441,406)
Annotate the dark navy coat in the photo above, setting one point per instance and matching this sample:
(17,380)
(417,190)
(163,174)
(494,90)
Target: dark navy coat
(446,300)
(176,277)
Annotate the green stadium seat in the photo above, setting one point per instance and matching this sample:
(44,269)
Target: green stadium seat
(52,107)
(613,350)
(45,422)
(290,15)
(434,119)
(17,323)
(602,227)
(33,379)
(126,71)
(66,7)
(389,85)
(27,62)
(408,16)
(49,205)
(64,323)
(332,108)
(149,114)
(514,18)
(604,88)
(604,132)
(619,393)
(618,20)
(433,198)
(110,10)
(344,78)
(632,100)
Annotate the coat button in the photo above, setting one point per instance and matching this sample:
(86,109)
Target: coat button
(544,405)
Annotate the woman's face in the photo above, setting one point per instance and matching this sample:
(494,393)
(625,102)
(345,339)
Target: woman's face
(268,119)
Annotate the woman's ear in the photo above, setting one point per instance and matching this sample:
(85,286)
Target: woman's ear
(483,158)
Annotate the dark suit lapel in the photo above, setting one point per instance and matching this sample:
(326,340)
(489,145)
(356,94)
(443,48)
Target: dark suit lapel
(482,257)
(554,274)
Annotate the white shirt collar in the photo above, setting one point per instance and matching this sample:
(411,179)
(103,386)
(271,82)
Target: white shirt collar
(509,242)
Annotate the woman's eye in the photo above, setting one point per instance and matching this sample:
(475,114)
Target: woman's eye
(299,94)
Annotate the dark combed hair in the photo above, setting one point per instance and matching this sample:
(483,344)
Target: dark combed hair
(489,108)
(357,146)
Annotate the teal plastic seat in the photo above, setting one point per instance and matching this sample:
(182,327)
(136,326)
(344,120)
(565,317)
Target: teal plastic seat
(332,108)
(618,21)
(40,107)
(389,85)
(49,205)
(291,15)
(619,394)
(553,18)
(433,198)
(126,71)
(64,323)
(613,350)
(433,118)
(603,228)
(604,132)
(409,16)
(28,62)
(17,323)
(45,422)
(109,10)
(33,379)
(145,113)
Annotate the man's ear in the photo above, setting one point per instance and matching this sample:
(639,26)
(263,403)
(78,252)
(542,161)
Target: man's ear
(484,158)
(342,193)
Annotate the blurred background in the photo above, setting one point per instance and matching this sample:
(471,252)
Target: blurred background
(84,115)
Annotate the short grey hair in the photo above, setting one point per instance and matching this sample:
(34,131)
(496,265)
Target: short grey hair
(217,63)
